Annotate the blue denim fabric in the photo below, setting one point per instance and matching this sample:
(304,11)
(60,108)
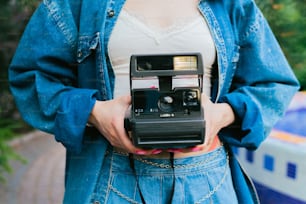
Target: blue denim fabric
(201,179)
(61,67)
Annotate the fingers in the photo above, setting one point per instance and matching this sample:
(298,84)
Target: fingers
(125,100)
(205,99)
(112,127)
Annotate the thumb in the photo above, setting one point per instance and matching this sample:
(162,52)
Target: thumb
(205,98)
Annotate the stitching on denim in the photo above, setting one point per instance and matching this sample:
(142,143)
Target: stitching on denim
(205,197)
(219,43)
(107,191)
(130,200)
(97,195)
(115,190)
(216,30)
(67,32)
(217,187)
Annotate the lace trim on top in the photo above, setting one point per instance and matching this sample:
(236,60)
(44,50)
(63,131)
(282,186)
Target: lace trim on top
(156,32)
(133,36)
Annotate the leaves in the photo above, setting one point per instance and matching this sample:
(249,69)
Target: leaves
(288,21)
(7,154)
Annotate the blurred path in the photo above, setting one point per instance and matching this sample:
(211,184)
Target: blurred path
(41,179)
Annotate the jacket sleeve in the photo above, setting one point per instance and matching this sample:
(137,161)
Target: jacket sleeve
(43,79)
(263,84)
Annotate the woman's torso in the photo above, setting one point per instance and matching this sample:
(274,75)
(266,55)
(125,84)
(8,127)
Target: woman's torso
(160,27)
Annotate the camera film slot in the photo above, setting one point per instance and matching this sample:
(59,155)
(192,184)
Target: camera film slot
(171,133)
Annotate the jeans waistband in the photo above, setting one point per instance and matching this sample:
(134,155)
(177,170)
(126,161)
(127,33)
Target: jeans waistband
(204,162)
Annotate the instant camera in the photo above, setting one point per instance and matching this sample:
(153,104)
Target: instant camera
(167,114)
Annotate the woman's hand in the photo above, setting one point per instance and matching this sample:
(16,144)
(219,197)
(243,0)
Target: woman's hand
(108,118)
(217,116)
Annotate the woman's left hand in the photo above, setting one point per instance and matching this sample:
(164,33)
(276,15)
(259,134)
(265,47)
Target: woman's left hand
(217,116)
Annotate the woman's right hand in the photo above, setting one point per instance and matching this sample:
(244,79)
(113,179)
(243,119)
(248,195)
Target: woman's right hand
(108,118)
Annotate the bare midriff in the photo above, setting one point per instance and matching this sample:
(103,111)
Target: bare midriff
(165,154)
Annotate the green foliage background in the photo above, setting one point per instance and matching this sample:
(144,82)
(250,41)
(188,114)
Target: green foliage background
(286,17)
(13,18)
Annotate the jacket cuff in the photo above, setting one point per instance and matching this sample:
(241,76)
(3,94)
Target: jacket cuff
(248,129)
(72,117)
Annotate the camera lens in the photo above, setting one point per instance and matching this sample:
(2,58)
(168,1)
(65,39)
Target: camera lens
(165,103)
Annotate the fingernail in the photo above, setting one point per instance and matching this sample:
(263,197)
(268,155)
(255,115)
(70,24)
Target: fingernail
(196,149)
(156,151)
(175,150)
(140,152)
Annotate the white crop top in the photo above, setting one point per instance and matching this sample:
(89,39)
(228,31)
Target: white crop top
(132,36)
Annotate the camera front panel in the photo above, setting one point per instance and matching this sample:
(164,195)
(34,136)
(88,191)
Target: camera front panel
(152,103)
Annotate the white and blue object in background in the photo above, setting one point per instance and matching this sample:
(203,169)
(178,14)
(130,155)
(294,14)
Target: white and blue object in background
(278,167)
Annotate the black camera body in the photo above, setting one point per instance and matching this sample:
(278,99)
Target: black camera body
(166,116)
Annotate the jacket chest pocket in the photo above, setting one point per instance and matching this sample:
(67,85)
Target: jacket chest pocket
(87,52)
(92,69)
(87,46)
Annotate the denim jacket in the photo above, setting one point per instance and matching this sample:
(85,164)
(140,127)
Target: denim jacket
(61,67)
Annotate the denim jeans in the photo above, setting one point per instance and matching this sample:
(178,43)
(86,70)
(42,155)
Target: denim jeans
(200,179)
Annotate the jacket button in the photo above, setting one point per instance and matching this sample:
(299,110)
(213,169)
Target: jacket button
(80,53)
(111,13)
(96,202)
